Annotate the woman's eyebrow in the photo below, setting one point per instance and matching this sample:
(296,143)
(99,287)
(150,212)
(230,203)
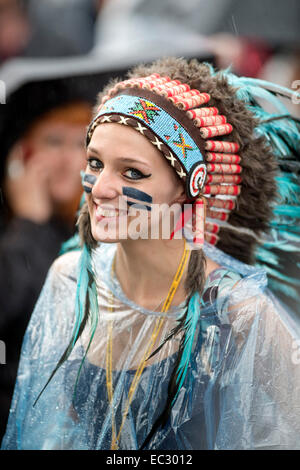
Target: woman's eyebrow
(131,160)
(92,149)
(120,159)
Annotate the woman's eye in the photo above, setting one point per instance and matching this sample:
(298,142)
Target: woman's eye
(134,174)
(95,164)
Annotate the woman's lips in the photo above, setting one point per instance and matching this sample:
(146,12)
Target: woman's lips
(108,213)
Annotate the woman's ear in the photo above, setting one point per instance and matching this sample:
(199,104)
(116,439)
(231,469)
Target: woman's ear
(181,196)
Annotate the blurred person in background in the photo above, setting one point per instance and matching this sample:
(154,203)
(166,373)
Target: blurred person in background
(42,152)
(137,28)
(14,29)
(23,33)
(72,20)
(246,36)
(249,36)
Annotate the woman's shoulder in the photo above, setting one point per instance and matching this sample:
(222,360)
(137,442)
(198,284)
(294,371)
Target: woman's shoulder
(219,286)
(235,276)
(66,265)
(222,276)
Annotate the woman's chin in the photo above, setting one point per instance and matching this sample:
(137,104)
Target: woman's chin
(107,236)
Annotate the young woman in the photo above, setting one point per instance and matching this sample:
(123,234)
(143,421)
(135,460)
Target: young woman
(148,338)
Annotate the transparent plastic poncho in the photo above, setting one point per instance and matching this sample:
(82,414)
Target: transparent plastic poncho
(241,391)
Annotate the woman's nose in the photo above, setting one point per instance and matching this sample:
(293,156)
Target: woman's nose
(105,186)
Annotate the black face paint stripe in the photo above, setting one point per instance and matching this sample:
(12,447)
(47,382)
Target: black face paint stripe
(136,194)
(138,206)
(89,178)
(87,189)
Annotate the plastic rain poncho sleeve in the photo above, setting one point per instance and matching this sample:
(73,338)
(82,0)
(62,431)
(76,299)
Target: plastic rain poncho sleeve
(241,390)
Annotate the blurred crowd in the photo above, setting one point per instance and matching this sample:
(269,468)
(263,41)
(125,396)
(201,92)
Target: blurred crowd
(249,36)
(42,154)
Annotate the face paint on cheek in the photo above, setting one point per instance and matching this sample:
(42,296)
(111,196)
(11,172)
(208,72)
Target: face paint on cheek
(138,206)
(138,195)
(88,182)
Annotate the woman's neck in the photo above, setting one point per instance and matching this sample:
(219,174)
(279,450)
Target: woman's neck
(146,268)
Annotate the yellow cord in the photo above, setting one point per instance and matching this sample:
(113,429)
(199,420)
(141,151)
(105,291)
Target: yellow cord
(109,384)
(139,371)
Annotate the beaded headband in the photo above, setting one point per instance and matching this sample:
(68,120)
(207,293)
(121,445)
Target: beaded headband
(181,124)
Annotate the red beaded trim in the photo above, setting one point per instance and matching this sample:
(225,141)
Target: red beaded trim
(217,215)
(211,238)
(222,158)
(228,204)
(193,102)
(189,94)
(168,91)
(222,146)
(223,168)
(212,131)
(212,228)
(202,112)
(230,190)
(210,121)
(236,179)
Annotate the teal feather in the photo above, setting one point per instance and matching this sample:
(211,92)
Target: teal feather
(289,211)
(288,190)
(86,290)
(288,227)
(288,291)
(280,276)
(289,236)
(250,86)
(284,245)
(86,307)
(266,256)
(93,301)
(82,289)
(279,252)
(272,87)
(249,92)
(190,326)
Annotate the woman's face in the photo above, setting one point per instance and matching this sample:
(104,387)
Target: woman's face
(127,168)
